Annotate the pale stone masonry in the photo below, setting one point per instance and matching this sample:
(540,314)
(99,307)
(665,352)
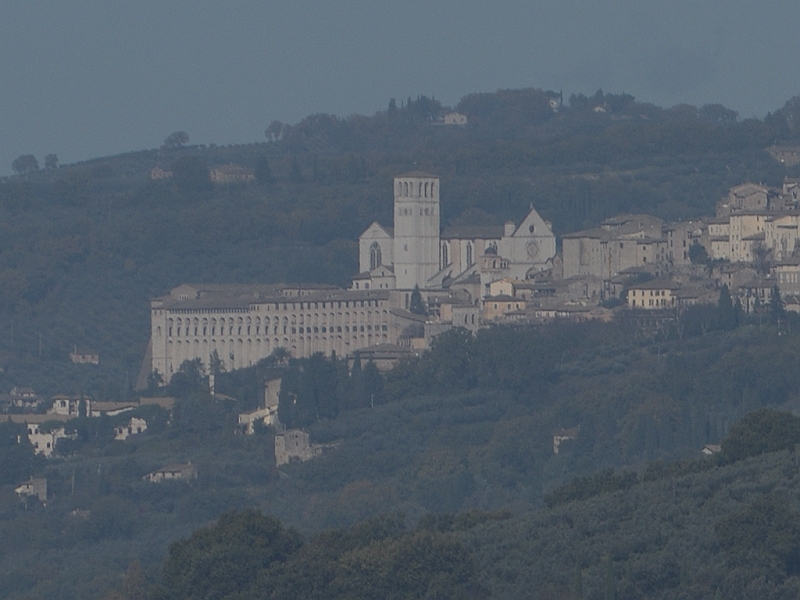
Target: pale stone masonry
(244,324)
(35,486)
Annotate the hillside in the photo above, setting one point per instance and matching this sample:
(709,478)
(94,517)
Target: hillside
(467,427)
(85,246)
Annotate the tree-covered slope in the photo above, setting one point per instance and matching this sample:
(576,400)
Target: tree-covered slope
(84,247)
(732,528)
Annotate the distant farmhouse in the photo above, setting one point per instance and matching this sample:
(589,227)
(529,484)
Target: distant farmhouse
(454,118)
(35,486)
(788,155)
(294,445)
(231,173)
(267,414)
(84,357)
(159,173)
(177,472)
(134,427)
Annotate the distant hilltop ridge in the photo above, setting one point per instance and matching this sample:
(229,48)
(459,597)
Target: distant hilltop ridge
(505,113)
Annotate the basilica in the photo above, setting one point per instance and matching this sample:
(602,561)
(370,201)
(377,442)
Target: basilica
(453,270)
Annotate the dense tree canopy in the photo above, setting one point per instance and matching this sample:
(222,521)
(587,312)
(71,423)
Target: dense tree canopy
(25,163)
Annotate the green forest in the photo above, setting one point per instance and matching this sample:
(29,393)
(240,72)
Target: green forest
(440,479)
(455,460)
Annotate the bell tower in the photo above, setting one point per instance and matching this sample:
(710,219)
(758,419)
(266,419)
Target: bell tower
(416,229)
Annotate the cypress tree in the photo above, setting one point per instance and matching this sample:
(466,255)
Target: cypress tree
(726,314)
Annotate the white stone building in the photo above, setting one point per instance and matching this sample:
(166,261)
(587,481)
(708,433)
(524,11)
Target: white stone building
(135,426)
(246,323)
(294,445)
(35,486)
(267,414)
(182,472)
(618,244)
(415,253)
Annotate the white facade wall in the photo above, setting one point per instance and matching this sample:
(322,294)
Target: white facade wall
(781,235)
(241,337)
(529,246)
(375,237)
(582,256)
(744,225)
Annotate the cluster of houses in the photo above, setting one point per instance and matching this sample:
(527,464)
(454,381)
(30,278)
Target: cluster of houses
(291,445)
(45,428)
(751,245)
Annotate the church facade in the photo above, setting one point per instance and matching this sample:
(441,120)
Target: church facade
(417,253)
(453,269)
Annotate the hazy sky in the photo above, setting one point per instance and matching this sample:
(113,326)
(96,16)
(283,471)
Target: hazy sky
(91,78)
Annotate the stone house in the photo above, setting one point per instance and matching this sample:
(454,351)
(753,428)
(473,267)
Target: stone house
(653,295)
(756,295)
(719,238)
(177,472)
(496,308)
(787,276)
(681,236)
(267,414)
(135,426)
(781,235)
(35,486)
(788,155)
(84,357)
(294,445)
(231,173)
(561,436)
(618,244)
(454,118)
(159,173)
(69,406)
(744,197)
(43,440)
(747,231)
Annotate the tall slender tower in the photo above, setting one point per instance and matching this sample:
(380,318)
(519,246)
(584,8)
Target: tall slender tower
(416,229)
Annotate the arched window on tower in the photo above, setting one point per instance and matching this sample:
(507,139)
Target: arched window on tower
(444,259)
(375,258)
(469,254)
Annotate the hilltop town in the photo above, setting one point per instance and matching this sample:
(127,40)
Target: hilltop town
(417,281)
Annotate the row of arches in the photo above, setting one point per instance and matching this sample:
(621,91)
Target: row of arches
(237,353)
(425,189)
(258,326)
(423,212)
(444,255)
